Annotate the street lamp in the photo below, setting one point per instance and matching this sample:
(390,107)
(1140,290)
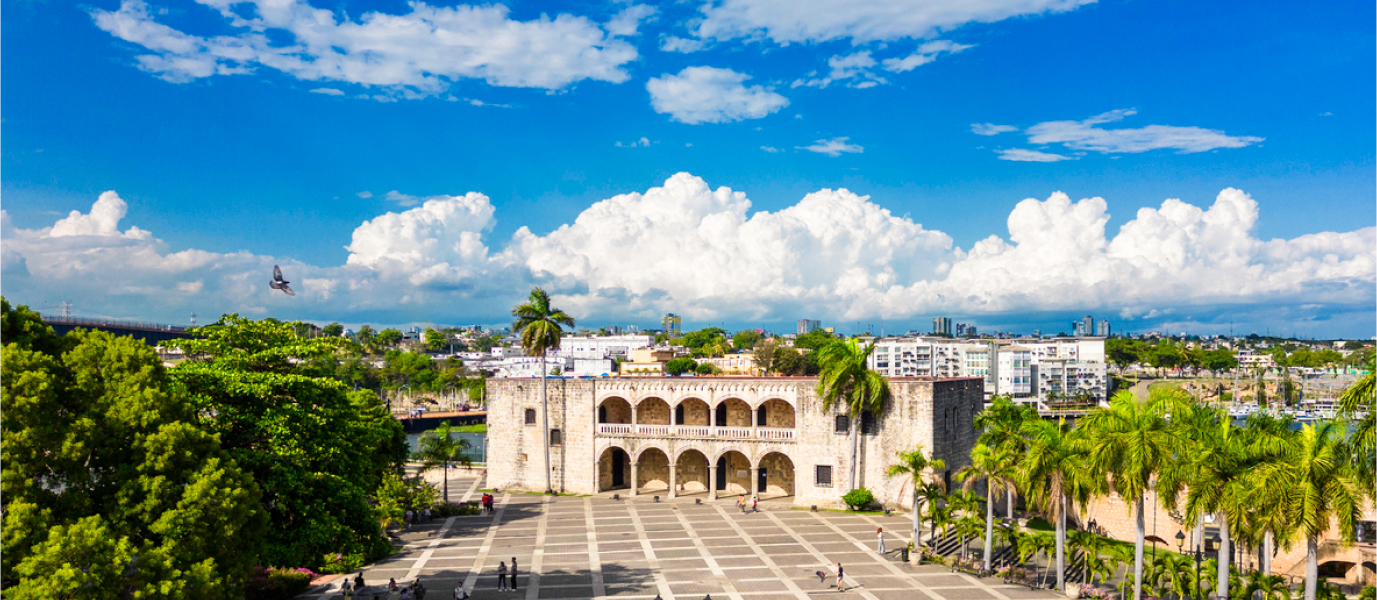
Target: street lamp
(1211,545)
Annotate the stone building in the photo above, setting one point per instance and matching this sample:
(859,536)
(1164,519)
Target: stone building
(716,436)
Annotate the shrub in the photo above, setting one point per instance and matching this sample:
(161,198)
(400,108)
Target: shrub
(1368,593)
(858,498)
(337,563)
(277,584)
(452,509)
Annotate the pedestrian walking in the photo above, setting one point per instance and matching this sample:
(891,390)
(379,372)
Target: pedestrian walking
(408,518)
(755,503)
(406,594)
(501,577)
(358,582)
(459,593)
(419,589)
(880,540)
(346,589)
(741,503)
(513,573)
(841,578)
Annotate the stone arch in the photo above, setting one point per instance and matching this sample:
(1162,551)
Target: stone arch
(692,410)
(777,475)
(777,413)
(652,468)
(733,472)
(614,409)
(691,471)
(1335,569)
(614,468)
(732,412)
(771,397)
(652,410)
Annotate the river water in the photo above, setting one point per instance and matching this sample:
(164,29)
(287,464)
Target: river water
(479,441)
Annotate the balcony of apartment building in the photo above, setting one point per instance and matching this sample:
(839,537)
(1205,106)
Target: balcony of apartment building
(693,418)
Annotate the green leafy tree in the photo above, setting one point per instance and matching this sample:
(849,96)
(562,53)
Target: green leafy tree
(918,467)
(814,340)
(332,330)
(436,340)
(389,338)
(996,468)
(1316,485)
(317,451)
(1131,440)
(438,449)
(111,487)
(764,354)
(541,328)
(367,338)
(847,381)
(1122,352)
(1000,426)
(704,369)
(679,366)
(789,361)
(1055,474)
(1361,399)
(746,339)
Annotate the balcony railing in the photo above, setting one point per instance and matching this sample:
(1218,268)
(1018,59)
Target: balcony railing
(698,431)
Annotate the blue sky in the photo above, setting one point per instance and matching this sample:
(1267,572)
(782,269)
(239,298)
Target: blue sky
(236,137)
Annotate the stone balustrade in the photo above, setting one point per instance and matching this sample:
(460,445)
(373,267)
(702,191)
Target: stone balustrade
(696,431)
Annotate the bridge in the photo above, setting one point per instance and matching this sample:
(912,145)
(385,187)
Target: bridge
(152,333)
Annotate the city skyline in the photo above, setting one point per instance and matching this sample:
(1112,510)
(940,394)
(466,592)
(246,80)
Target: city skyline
(1013,165)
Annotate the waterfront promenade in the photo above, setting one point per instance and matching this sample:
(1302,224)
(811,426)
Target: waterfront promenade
(597,547)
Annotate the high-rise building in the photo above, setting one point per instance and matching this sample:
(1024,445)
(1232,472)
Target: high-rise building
(960,330)
(1087,326)
(670,324)
(808,325)
(941,326)
(632,329)
(1102,328)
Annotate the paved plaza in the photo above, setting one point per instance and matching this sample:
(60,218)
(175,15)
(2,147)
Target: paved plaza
(597,547)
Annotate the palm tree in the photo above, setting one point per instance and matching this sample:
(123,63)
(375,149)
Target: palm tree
(932,492)
(1031,544)
(1361,397)
(917,466)
(1130,441)
(438,450)
(1316,484)
(1053,473)
(1000,424)
(847,380)
(541,327)
(993,467)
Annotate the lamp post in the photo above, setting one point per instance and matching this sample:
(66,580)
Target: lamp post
(1211,545)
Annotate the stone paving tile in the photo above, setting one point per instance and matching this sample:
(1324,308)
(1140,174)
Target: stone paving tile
(695,588)
(761,586)
(970,593)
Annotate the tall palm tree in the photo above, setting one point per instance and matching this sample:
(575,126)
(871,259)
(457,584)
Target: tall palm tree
(1000,424)
(932,492)
(1317,486)
(919,467)
(1361,397)
(1130,440)
(993,468)
(437,450)
(541,327)
(1055,477)
(847,380)
(1031,544)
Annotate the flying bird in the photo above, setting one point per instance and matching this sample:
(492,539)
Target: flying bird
(278,283)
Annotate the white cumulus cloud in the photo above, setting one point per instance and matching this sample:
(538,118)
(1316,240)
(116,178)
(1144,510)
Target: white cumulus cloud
(833,147)
(991,128)
(702,252)
(711,95)
(926,53)
(415,54)
(791,21)
(1087,135)
(1023,155)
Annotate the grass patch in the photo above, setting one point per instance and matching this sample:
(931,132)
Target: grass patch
(1040,524)
(477,428)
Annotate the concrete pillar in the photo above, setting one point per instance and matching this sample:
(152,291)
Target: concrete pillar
(635,484)
(753,486)
(634,409)
(673,482)
(755,412)
(712,481)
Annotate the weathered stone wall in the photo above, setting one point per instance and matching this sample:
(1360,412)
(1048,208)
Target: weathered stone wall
(618,410)
(652,411)
(936,414)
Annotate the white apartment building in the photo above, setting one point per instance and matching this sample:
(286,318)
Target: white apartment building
(1028,370)
(605,346)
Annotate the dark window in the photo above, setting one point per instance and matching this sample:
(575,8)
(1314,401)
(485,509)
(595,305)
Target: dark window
(722,414)
(602,414)
(868,425)
(530,416)
(760,417)
(822,476)
(679,415)
(843,424)
(554,437)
